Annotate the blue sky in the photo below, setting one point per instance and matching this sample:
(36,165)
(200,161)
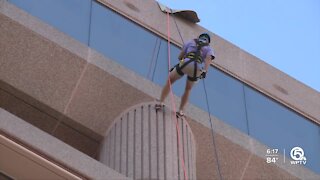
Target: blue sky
(283,33)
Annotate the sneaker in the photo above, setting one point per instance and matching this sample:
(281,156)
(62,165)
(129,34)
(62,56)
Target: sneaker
(180,114)
(159,106)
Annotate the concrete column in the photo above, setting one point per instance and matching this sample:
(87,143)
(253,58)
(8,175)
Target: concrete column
(144,143)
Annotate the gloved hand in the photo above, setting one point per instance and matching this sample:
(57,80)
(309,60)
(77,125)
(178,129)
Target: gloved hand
(203,74)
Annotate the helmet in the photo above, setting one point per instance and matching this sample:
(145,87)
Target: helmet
(205,36)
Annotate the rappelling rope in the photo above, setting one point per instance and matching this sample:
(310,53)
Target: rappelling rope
(154,60)
(212,131)
(172,102)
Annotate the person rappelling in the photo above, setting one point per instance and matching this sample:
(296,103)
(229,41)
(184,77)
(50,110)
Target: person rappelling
(191,57)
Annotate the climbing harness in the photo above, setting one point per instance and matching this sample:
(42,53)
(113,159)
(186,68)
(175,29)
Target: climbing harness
(195,57)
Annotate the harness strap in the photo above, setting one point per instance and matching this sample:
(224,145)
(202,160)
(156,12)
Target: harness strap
(194,78)
(194,57)
(179,69)
(197,54)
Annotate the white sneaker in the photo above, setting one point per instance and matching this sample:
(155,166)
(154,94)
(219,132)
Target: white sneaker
(159,106)
(180,114)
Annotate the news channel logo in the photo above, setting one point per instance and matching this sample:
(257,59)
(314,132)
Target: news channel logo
(297,156)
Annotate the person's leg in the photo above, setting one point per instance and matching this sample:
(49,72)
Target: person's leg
(186,94)
(173,76)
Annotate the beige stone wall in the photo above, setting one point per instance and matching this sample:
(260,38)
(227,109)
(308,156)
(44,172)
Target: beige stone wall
(38,150)
(57,90)
(20,163)
(235,161)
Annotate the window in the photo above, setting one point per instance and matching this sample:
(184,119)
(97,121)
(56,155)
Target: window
(225,96)
(279,127)
(71,17)
(129,44)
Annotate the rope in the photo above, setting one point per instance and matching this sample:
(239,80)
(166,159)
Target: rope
(156,63)
(208,110)
(212,131)
(174,18)
(172,101)
(152,58)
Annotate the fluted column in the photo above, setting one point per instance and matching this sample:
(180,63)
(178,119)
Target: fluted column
(143,144)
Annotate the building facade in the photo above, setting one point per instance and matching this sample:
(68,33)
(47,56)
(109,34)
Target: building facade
(70,69)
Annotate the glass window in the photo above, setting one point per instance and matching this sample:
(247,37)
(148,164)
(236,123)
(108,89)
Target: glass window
(130,45)
(162,69)
(226,98)
(71,17)
(278,127)
(121,40)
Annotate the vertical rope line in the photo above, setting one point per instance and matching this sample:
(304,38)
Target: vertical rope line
(212,131)
(178,29)
(245,108)
(152,58)
(90,19)
(156,62)
(172,98)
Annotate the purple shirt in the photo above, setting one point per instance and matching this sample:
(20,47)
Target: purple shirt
(191,46)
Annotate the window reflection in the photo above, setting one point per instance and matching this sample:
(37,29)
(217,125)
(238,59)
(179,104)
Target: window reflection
(63,15)
(279,127)
(129,44)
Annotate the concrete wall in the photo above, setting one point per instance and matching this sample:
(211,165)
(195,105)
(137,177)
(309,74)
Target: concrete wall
(50,87)
(21,163)
(49,149)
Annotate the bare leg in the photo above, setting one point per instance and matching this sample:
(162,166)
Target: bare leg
(171,79)
(186,94)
